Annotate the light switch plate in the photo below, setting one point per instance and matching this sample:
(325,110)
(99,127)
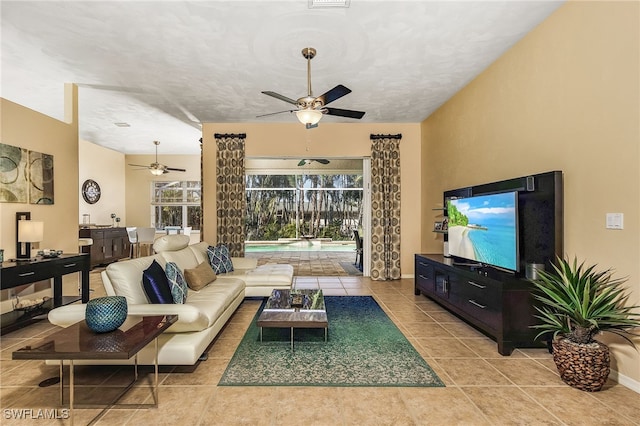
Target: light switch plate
(615,220)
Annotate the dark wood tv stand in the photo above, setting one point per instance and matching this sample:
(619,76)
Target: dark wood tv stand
(497,303)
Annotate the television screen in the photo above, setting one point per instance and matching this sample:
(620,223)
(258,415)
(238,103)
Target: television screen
(484,229)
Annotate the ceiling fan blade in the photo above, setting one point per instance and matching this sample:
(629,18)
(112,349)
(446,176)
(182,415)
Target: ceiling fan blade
(139,165)
(302,163)
(281,97)
(274,113)
(345,113)
(173,169)
(333,94)
(322,160)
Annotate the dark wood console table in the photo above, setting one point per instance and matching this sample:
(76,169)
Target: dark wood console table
(14,274)
(499,304)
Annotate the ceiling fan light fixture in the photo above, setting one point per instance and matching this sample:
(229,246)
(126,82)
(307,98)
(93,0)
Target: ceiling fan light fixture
(156,172)
(318,4)
(309,116)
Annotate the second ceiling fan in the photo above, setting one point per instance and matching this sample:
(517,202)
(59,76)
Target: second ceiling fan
(156,168)
(310,109)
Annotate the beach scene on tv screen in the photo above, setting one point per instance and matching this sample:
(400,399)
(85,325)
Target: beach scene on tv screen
(484,229)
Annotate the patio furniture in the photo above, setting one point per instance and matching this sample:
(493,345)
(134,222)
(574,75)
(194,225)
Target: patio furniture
(358,238)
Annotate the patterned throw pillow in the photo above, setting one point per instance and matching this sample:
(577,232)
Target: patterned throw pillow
(177,282)
(220,259)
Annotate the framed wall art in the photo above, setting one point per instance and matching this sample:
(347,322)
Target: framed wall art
(25,176)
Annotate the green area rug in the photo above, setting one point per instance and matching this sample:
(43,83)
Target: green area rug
(365,348)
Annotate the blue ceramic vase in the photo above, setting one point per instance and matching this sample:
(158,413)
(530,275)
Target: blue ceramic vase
(106,314)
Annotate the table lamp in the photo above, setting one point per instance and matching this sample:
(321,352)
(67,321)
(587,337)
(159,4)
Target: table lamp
(29,231)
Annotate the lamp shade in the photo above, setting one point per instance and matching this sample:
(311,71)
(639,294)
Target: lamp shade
(30,231)
(156,172)
(309,116)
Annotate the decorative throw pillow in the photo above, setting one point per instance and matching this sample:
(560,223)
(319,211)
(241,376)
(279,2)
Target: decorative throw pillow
(177,282)
(156,285)
(199,276)
(220,259)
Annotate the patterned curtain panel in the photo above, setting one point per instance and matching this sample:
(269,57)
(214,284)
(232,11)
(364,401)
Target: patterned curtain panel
(230,192)
(385,207)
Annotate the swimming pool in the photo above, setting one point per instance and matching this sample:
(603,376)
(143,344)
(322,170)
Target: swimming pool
(300,245)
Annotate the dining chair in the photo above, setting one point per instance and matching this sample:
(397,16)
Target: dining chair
(133,241)
(172,230)
(146,237)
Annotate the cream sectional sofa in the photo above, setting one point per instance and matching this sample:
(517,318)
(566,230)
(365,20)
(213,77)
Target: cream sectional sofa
(203,314)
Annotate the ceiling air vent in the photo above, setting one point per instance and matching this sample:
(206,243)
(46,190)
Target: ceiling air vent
(318,4)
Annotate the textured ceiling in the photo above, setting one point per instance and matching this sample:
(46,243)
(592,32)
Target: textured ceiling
(166,66)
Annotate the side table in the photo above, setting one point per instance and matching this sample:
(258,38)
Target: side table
(78,342)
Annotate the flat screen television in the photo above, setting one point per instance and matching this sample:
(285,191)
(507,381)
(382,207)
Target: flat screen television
(484,229)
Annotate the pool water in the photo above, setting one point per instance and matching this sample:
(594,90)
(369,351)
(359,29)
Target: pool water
(299,246)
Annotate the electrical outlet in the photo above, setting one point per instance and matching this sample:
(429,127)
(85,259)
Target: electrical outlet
(615,220)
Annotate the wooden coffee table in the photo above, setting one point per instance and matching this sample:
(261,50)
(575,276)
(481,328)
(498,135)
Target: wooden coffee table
(78,342)
(294,309)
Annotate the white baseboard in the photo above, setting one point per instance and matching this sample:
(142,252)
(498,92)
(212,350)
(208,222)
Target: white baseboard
(625,381)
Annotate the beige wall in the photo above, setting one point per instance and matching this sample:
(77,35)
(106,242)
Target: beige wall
(138,183)
(23,127)
(29,129)
(106,167)
(327,140)
(566,97)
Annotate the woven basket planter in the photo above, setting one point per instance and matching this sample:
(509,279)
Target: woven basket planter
(582,366)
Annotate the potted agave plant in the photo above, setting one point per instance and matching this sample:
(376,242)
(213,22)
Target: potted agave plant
(578,302)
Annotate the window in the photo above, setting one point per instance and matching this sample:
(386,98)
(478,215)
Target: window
(293,206)
(176,203)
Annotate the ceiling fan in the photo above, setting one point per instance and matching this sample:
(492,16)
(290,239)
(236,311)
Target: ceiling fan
(156,168)
(311,160)
(309,108)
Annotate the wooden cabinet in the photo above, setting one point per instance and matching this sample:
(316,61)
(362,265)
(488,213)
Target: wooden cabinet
(499,304)
(109,245)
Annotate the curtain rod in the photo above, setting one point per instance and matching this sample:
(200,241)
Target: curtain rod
(230,135)
(398,136)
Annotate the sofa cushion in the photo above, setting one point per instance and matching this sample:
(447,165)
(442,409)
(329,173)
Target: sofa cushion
(125,278)
(156,285)
(213,300)
(268,275)
(177,282)
(185,258)
(171,243)
(200,276)
(200,251)
(220,259)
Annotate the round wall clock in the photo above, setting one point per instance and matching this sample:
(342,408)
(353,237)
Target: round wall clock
(91,191)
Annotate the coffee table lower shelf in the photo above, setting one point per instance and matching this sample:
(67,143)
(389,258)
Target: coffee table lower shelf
(326,330)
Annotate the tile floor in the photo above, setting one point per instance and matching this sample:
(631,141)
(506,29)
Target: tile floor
(482,387)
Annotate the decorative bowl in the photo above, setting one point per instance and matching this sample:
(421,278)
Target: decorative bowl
(105,314)
(28,305)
